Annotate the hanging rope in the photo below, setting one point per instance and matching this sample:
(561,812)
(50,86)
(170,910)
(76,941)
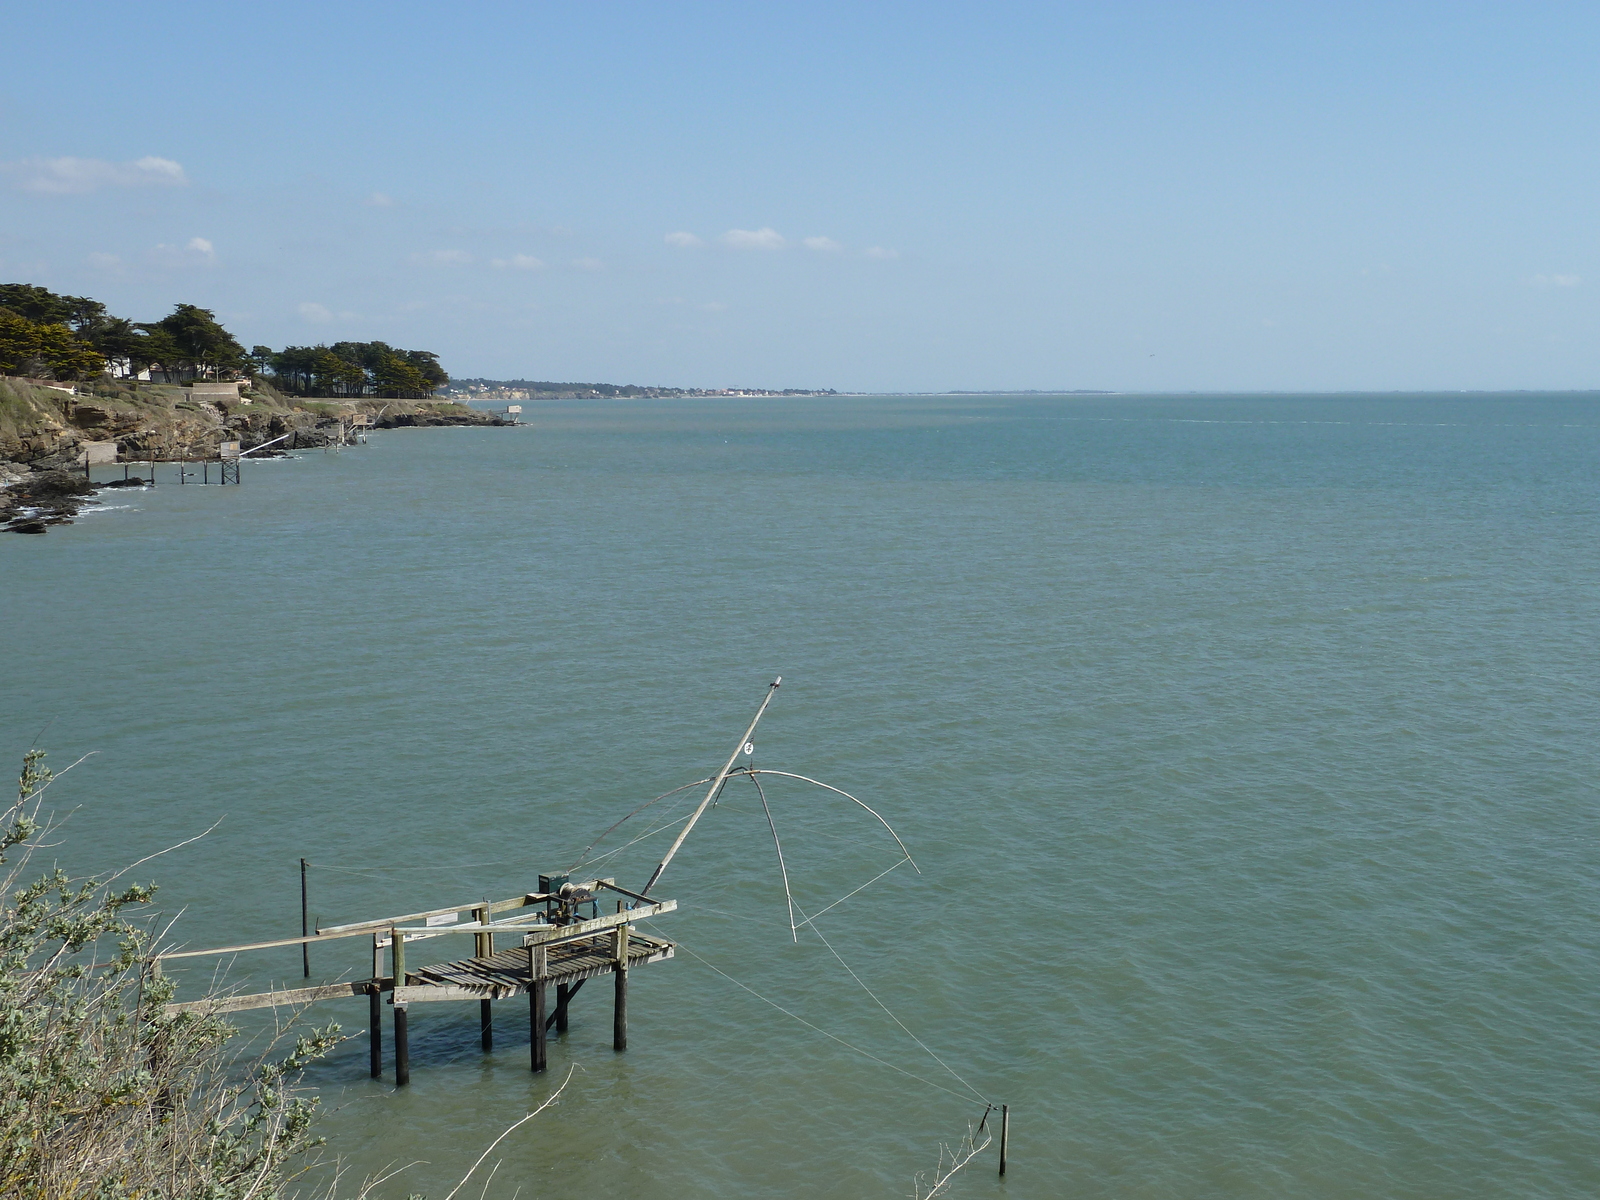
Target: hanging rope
(980,1096)
(817,1028)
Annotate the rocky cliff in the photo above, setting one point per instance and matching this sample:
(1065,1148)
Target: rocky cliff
(43,429)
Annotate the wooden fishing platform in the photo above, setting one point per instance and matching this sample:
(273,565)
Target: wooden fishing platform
(558,946)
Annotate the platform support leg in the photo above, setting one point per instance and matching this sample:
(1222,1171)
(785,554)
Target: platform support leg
(563,997)
(375,1028)
(486,1024)
(536,977)
(619,1006)
(402,1048)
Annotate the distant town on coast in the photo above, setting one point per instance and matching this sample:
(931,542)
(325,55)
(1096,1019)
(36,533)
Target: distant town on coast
(528,389)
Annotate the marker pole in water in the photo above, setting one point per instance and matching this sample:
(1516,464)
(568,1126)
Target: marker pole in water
(1005,1135)
(305,923)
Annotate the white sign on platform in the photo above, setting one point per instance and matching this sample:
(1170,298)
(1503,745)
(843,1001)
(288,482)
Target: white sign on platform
(445,919)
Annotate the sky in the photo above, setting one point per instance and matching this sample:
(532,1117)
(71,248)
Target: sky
(868,196)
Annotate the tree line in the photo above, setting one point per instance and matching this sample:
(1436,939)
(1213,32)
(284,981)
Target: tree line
(74,337)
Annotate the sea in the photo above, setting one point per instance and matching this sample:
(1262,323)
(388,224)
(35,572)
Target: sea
(1244,748)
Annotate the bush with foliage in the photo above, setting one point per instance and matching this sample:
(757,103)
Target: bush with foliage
(104,1094)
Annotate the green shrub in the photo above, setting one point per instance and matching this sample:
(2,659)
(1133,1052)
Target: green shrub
(104,1095)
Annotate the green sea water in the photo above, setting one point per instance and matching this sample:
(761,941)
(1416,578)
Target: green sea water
(1246,745)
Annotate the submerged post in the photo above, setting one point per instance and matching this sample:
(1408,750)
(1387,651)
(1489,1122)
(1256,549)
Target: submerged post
(402,1047)
(305,923)
(619,1010)
(1005,1135)
(536,976)
(563,995)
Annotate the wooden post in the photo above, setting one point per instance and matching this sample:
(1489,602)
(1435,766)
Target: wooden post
(1005,1135)
(375,1010)
(402,1047)
(563,996)
(305,922)
(375,1028)
(619,1007)
(482,946)
(536,976)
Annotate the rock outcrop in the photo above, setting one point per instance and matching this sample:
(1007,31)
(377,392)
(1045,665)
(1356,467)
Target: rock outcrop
(44,428)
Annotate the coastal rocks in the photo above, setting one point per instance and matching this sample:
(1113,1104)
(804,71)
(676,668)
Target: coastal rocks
(42,499)
(433,417)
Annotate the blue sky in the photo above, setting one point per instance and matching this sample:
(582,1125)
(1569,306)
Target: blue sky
(1138,196)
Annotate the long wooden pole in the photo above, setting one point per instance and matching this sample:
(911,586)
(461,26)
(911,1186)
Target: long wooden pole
(402,1043)
(375,1029)
(716,784)
(536,1018)
(1005,1135)
(619,1008)
(305,922)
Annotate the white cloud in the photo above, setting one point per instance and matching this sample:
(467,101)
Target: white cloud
(105,262)
(443,258)
(379,200)
(1547,281)
(683,238)
(196,252)
(825,244)
(881,252)
(754,239)
(588,264)
(712,306)
(73,176)
(518,262)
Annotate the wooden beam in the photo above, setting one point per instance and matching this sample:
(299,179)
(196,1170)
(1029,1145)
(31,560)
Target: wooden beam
(297,941)
(287,998)
(522,901)
(562,933)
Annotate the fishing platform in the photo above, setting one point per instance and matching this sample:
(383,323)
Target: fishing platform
(562,945)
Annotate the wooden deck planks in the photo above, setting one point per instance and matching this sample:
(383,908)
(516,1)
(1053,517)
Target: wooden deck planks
(495,978)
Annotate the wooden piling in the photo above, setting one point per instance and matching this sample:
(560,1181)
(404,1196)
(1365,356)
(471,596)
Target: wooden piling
(402,1048)
(375,1029)
(1005,1135)
(483,947)
(375,1009)
(563,997)
(536,974)
(619,1006)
